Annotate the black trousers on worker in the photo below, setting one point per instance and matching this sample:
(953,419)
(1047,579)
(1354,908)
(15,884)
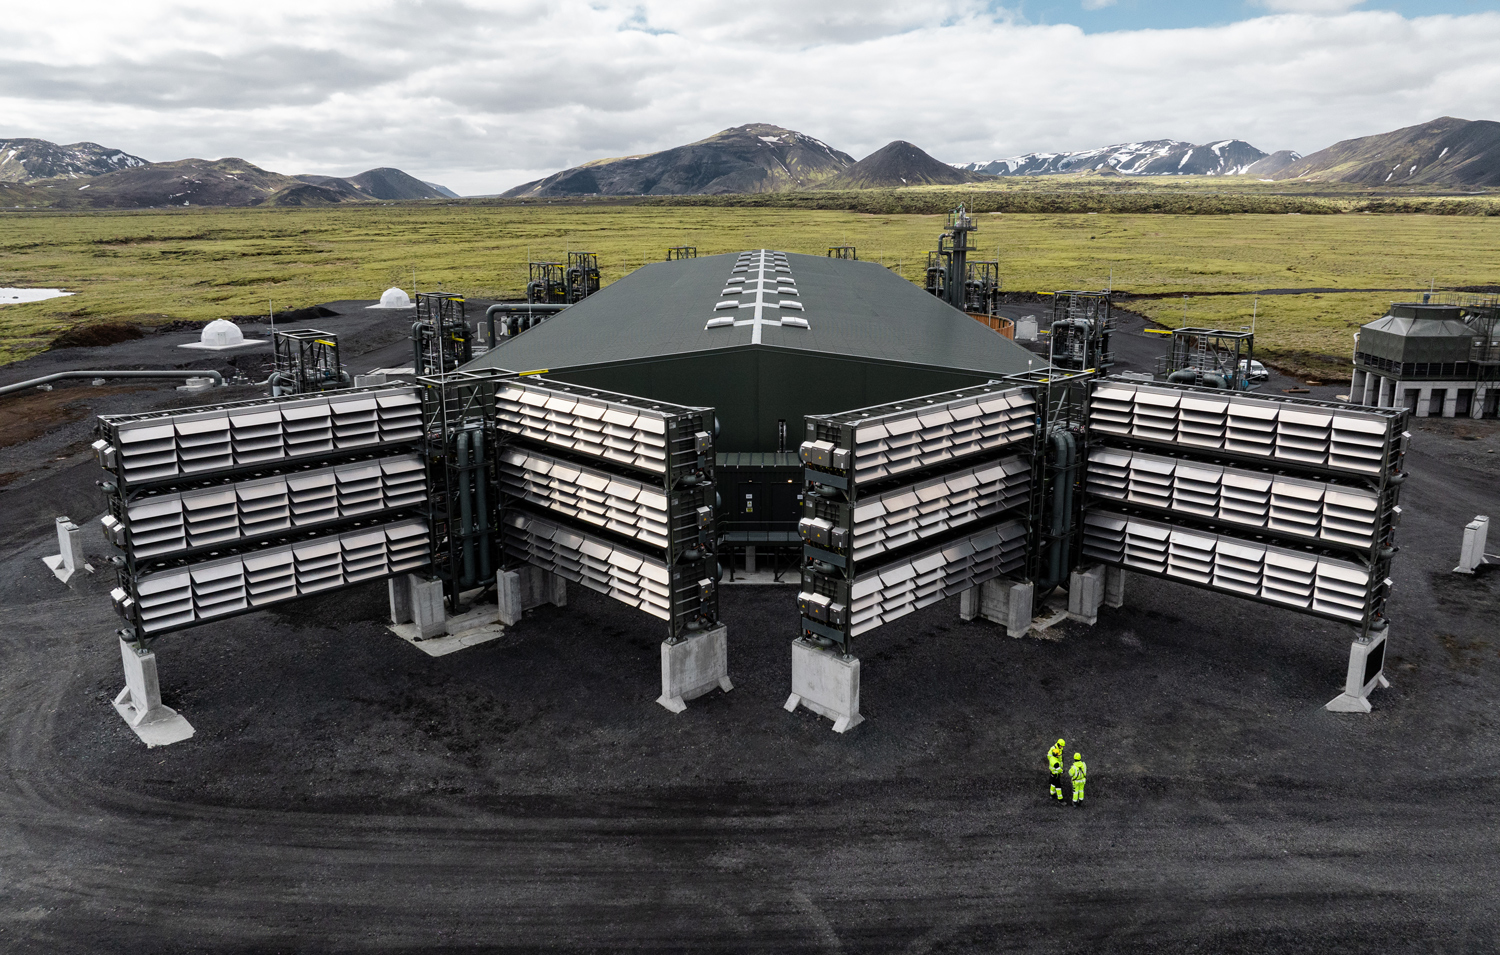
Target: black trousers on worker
(1057,780)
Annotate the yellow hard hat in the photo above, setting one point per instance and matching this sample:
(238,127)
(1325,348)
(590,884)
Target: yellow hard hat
(1061,744)
(1078,757)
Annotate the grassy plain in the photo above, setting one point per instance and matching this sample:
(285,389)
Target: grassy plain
(151,266)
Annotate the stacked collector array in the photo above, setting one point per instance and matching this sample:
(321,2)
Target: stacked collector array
(912,502)
(155,525)
(1293,502)
(186,595)
(612,492)
(226,509)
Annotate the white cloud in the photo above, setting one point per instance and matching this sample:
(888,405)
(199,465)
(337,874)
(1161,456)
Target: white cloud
(1098,4)
(482,95)
(1309,6)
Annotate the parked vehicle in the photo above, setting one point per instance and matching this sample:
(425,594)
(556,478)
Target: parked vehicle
(1252,370)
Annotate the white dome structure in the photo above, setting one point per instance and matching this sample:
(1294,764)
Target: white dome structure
(221,335)
(393,298)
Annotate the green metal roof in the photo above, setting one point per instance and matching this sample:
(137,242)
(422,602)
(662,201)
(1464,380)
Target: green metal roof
(850,308)
(1419,333)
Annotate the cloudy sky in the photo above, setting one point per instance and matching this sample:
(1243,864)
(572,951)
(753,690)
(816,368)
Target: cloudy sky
(483,95)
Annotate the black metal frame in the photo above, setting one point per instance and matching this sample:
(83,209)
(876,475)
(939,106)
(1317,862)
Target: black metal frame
(305,361)
(1207,353)
(831,494)
(1386,483)
(1078,336)
(843,252)
(582,278)
(547,283)
(466,402)
(682,252)
(461,403)
(982,288)
(441,337)
(121,493)
(1062,406)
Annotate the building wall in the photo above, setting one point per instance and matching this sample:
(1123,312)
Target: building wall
(1426,398)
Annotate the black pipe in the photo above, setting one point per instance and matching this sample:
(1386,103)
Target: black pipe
(482,506)
(511,308)
(1065,456)
(465,511)
(218,379)
(416,347)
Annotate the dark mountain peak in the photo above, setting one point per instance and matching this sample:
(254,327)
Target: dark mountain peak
(392,185)
(897,164)
(755,157)
(31,160)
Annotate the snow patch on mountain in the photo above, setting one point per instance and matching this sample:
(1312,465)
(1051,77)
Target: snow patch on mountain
(1157,157)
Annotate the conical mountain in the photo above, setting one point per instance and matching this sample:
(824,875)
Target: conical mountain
(900,164)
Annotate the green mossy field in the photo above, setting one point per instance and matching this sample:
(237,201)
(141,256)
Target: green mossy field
(155,266)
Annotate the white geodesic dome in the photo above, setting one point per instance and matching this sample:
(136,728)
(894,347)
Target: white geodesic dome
(221,334)
(395,298)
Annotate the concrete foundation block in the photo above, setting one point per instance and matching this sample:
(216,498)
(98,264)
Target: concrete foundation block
(517,591)
(427,609)
(749,559)
(1366,673)
(1086,594)
(968,603)
(139,704)
(399,590)
(1006,602)
(1476,538)
(826,683)
(69,557)
(693,666)
(1114,586)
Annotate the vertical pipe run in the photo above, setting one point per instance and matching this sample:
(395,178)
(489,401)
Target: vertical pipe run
(1064,457)
(465,511)
(1065,545)
(481,505)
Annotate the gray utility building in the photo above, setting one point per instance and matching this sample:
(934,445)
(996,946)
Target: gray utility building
(765,338)
(1432,360)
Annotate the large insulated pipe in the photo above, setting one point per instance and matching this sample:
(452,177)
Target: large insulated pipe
(465,510)
(482,505)
(512,308)
(416,348)
(1064,456)
(1065,545)
(218,379)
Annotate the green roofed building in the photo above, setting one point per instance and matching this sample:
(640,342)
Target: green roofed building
(1434,360)
(764,338)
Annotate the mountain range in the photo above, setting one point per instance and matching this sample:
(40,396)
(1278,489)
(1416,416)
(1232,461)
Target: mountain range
(34,172)
(1157,157)
(754,158)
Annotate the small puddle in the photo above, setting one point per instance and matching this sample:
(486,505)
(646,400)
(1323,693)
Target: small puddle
(16,296)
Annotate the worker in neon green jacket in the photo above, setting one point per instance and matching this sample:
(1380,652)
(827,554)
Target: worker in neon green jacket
(1055,769)
(1079,773)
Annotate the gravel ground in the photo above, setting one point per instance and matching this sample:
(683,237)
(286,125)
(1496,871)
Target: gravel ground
(345,792)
